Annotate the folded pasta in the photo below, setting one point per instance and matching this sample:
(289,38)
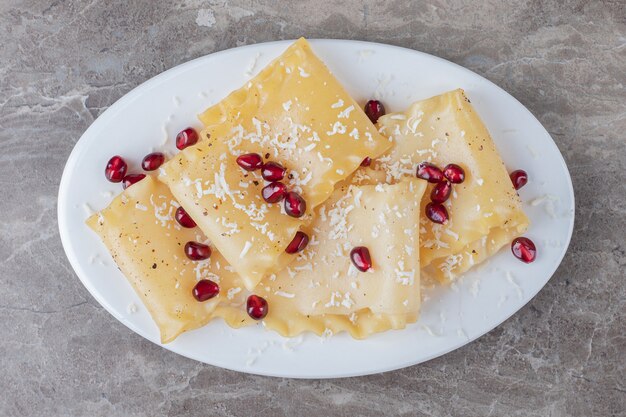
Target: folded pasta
(294,113)
(146,242)
(322,291)
(485,211)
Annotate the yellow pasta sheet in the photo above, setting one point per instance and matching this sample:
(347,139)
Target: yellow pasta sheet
(146,242)
(323,292)
(485,210)
(329,296)
(294,113)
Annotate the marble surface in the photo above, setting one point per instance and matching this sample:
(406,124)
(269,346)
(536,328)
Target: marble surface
(64,62)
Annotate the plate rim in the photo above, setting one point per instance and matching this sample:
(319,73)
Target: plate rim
(127,98)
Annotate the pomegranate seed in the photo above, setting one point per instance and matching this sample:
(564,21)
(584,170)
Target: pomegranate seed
(274,192)
(186,137)
(437,213)
(360,257)
(257,307)
(205,289)
(519,178)
(273,171)
(152,161)
(454,173)
(366,162)
(130,179)
(429,172)
(115,169)
(374,109)
(524,249)
(298,243)
(295,206)
(197,251)
(183,218)
(250,161)
(441,192)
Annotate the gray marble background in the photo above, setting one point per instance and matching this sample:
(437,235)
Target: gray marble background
(64,62)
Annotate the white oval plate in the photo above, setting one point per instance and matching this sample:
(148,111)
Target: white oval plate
(143,119)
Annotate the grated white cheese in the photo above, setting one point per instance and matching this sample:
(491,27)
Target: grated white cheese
(230,294)
(346,112)
(450,264)
(285,294)
(88,209)
(451,233)
(347,301)
(405,277)
(327,334)
(352,318)
(246,248)
(252,65)
(338,127)
(352,271)
(337,105)
(333,300)
(357,198)
(132,308)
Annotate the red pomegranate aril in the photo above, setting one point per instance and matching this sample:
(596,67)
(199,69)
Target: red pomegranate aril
(298,243)
(295,206)
(524,249)
(441,192)
(184,219)
(437,213)
(130,179)
(152,161)
(360,257)
(256,307)
(250,161)
(519,178)
(454,173)
(374,109)
(429,172)
(273,171)
(186,137)
(197,251)
(205,289)
(274,192)
(366,162)
(115,170)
